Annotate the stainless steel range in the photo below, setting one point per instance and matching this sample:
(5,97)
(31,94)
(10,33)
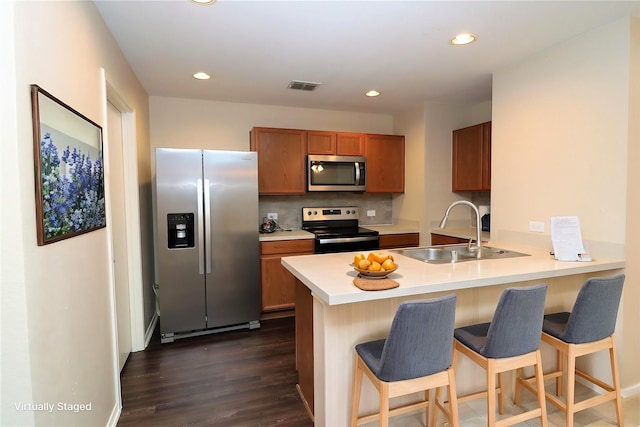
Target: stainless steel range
(337,230)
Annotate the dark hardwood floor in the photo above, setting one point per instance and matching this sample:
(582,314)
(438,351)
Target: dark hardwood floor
(232,379)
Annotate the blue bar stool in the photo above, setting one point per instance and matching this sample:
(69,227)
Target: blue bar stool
(416,356)
(509,342)
(587,329)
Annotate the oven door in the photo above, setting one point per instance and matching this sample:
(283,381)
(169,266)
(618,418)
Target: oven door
(336,173)
(325,245)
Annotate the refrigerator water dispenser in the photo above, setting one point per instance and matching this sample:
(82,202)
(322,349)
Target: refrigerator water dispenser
(180,230)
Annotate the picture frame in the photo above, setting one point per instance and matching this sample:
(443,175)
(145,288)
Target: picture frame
(69,170)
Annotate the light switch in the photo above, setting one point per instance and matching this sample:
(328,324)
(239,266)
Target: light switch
(536,226)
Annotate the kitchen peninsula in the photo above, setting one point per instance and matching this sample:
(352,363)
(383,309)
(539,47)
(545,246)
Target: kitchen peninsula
(333,315)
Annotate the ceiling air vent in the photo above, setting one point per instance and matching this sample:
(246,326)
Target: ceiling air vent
(299,85)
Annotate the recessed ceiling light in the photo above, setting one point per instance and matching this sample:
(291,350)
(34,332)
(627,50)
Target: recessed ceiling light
(372,93)
(202,76)
(464,38)
(203,2)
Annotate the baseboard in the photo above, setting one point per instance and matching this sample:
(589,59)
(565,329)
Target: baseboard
(624,392)
(306,404)
(277,314)
(630,391)
(115,416)
(149,332)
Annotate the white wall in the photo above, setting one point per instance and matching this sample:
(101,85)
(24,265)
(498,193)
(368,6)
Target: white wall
(561,139)
(60,295)
(411,205)
(15,360)
(190,123)
(428,132)
(560,136)
(631,338)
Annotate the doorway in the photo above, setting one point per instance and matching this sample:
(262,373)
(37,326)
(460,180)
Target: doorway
(119,233)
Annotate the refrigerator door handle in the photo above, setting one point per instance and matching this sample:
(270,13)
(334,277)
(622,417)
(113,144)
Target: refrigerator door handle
(207,225)
(201,252)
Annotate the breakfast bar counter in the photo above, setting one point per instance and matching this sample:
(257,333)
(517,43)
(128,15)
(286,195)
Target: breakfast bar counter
(333,315)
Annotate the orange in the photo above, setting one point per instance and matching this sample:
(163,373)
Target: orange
(357,259)
(363,264)
(372,256)
(388,264)
(382,257)
(375,266)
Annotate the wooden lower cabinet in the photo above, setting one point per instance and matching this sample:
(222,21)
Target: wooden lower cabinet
(278,284)
(304,345)
(440,239)
(403,240)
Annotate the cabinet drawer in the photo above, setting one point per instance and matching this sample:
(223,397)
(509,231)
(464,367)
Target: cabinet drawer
(404,240)
(282,247)
(439,239)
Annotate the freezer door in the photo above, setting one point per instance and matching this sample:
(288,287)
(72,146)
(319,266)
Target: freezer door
(233,251)
(181,278)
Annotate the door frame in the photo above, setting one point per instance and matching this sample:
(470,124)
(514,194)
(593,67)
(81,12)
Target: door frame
(132,216)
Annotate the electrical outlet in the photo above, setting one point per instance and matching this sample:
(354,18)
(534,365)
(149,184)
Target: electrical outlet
(272,215)
(536,226)
(371,213)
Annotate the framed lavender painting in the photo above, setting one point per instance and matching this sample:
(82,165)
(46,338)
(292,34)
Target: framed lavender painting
(69,173)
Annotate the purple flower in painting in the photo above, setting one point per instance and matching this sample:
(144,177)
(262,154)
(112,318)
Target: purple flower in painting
(72,201)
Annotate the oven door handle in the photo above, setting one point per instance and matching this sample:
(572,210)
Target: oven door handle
(348,239)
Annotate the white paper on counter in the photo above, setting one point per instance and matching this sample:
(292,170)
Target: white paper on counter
(567,239)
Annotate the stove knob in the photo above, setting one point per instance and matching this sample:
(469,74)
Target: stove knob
(309,213)
(348,211)
(315,212)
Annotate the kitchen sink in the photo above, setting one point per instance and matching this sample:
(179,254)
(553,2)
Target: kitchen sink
(455,253)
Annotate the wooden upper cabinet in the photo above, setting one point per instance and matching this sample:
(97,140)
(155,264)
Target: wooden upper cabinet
(321,142)
(281,160)
(471,158)
(335,143)
(385,163)
(350,144)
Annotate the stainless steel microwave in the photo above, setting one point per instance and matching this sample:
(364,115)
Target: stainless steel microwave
(336,173)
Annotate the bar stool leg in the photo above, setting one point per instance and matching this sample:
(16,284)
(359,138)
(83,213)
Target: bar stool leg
(491,394)
(571,380)
(541,393)
(501,393)
(384,405)
(616,381)
(357,388)
(560,358)
(453,399)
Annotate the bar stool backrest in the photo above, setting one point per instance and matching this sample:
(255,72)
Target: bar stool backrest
(517,322)
(595,311)
(420,340)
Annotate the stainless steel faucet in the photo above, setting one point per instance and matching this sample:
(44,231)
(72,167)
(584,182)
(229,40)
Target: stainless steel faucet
(478,246)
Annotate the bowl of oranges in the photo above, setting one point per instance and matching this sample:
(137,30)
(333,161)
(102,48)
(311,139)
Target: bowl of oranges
(375,265)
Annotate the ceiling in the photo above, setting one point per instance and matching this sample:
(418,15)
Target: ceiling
(253,49)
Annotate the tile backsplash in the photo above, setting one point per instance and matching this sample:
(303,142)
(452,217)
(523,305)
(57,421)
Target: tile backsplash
(289,208)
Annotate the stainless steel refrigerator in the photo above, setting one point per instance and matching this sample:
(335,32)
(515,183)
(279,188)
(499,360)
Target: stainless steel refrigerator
(208,255)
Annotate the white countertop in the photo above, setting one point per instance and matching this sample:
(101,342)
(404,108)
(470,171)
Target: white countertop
(396,228)
(286,235)
(330,277)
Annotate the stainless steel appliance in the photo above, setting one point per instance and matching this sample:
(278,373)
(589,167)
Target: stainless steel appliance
(337,230)
(207,241)
(336,173)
